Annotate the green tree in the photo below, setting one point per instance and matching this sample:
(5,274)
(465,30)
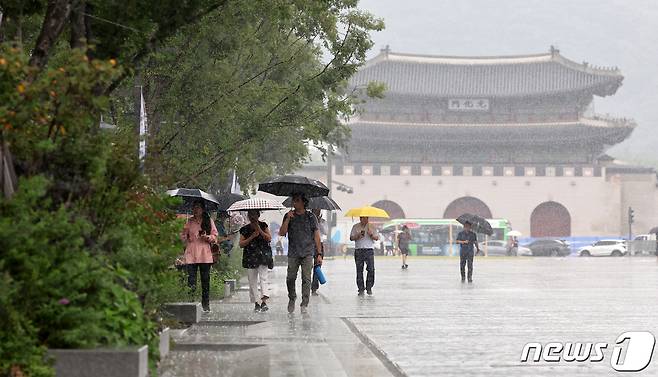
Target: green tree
(249,86)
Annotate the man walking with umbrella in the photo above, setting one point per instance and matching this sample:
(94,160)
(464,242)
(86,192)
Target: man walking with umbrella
(466,239)
(364,235)
(303,232)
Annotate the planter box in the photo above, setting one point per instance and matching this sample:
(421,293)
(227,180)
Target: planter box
(129,362)
(165,336)
(186,312)
(233,283)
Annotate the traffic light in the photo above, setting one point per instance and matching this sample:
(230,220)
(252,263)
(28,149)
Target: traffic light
(631,215)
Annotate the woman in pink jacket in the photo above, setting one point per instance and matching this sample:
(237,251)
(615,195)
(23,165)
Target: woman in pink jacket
(199,232)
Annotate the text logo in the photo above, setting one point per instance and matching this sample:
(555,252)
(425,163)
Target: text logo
(632,352)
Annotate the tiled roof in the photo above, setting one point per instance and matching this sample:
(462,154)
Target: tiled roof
(584,130)
(486,76)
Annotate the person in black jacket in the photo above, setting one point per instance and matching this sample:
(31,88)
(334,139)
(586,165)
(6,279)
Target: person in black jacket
(255,240)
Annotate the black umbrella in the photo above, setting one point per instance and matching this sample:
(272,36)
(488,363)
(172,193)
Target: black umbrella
(225,200)
(478,224)
(191,195)
(319,202)
(287,185)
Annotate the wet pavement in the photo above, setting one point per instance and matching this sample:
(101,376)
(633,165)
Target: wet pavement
(424,322)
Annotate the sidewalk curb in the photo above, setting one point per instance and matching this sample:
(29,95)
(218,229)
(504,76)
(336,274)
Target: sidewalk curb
(393,367)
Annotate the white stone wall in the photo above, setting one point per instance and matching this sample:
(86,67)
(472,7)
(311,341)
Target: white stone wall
(638,191)
(597,205)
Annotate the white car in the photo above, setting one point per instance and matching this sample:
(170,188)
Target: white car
(614,248)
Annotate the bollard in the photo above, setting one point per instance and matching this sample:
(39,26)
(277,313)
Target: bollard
(227,289)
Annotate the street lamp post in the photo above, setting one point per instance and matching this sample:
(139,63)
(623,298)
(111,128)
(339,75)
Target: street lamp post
(331,216)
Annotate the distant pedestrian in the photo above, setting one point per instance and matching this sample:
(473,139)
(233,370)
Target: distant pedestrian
(403,245)
(279,246)
(224,238)
(466,239)
(198,233)
(303,232)
(364,235)
(322,226)
(255,240)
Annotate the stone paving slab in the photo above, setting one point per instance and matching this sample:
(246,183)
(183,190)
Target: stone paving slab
(424,322)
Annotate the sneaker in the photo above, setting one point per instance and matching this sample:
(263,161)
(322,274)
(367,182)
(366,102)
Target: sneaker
(263,307)
(360,292)
(291,306)
(303,309)
(206,308)
(369,292)
(406,266)
(470,281)
(257,308)
(403,267)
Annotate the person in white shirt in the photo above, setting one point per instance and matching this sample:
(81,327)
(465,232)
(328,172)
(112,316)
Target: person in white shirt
(364,235)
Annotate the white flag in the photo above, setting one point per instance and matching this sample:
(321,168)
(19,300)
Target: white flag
(143,127)
(235,186)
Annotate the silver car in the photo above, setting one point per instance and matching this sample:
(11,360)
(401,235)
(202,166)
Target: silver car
(499,247)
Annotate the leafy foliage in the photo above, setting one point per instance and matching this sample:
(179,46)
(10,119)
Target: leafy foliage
(246,88)
(87,243)
(85,254)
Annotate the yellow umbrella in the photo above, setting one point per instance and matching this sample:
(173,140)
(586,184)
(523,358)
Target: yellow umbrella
(367,211)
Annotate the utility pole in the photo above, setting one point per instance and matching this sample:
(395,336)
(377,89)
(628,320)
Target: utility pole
(631,219)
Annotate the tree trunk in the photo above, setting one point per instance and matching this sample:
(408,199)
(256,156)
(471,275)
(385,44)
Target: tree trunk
(57,14)
(78,25)
(8,179)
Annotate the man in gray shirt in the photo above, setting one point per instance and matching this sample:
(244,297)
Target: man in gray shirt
(301,226)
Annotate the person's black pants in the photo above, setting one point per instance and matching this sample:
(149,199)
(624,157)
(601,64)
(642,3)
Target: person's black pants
(367,257)
(466,257)
(204,268)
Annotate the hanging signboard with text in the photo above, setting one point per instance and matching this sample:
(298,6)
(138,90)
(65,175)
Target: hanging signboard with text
(468,104)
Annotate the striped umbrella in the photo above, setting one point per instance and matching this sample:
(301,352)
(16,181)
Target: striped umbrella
(259,204)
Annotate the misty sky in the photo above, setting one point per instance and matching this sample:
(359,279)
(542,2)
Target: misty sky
(622,33)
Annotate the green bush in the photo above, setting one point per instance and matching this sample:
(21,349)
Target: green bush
(85,247)
(61,295)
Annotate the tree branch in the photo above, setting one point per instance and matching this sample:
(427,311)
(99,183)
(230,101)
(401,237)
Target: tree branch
(161,34)
(57,13)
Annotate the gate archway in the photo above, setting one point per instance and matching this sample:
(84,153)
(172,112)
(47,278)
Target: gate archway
(550,219)
(392,208)
(467,204)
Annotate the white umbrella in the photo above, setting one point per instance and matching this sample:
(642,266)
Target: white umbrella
(514,233)
(259,204)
